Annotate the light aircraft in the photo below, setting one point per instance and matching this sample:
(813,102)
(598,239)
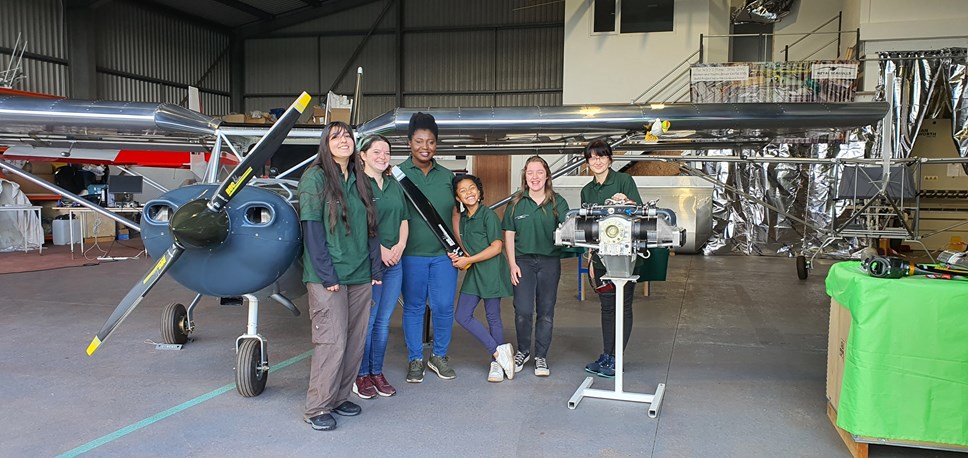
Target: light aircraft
(214,239)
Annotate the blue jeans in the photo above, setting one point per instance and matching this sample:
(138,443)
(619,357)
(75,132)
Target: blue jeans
(378,330)
(426,279)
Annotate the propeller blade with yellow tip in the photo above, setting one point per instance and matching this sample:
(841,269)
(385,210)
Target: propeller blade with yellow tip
(134,296)
(261,153)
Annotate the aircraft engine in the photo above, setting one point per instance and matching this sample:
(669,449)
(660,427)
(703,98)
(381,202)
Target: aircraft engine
(262,239)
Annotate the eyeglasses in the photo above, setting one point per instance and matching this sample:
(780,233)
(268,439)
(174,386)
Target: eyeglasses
(594,158)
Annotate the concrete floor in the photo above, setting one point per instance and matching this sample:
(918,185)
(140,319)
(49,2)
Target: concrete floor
(740,343)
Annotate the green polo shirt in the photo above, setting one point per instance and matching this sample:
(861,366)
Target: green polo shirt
(391,206)
(347,248)
(615,182)
(595,193)
(534,225)
(490,278)
(437,186)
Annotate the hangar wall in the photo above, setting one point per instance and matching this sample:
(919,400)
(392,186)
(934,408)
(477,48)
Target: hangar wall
(422,53)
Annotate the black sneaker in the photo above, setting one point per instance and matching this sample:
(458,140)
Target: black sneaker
(607,368)
(594,367)
(519,359)
(347,409)
(415,372)
(324,422)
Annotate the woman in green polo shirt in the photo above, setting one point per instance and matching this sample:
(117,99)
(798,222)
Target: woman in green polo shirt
(341,262)
(618,187)
(394,228)
(529,239)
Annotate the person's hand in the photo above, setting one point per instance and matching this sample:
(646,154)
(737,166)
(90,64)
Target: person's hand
(397,251)
(386,255)
(452,256)
(620,197)
(376,282)
(333,288)
(515,274)
(462,262)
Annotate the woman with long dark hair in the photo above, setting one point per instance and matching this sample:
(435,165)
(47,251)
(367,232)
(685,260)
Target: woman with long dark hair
(341,261)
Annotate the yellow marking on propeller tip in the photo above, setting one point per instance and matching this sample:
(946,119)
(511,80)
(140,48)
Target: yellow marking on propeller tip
(161,263)
(93,346)
(302,102)
(234,186)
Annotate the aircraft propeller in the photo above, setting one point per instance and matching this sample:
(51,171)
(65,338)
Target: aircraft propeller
(203,223)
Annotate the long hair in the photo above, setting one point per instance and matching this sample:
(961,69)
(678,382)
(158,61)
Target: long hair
(333,189)
(368,142)
(549,191)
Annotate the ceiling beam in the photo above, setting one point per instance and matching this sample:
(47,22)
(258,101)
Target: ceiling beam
(298,16)
(312,3)
(154,6)
(247,9)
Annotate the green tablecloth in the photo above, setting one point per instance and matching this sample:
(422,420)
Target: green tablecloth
(906,366)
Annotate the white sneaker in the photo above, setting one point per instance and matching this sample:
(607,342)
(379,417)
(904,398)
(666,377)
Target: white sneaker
(496,374)
(505,357)
(541,367)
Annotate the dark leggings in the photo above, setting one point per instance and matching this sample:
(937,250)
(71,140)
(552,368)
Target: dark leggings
(608,318)
(466,304)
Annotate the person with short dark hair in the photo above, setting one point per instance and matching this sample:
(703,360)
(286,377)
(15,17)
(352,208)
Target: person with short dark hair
(429,276)
(617,187)
(341,262)
(535,261)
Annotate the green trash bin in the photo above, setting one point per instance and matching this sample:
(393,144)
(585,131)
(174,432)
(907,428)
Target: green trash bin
(655,267)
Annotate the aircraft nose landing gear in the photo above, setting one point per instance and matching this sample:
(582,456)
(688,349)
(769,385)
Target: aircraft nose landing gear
(252,360)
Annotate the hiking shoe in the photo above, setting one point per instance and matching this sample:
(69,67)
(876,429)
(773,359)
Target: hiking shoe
(520,359)
(382,387)
(416,372)
(541,367)
(496,374)
(506,359)
(595,366)
(324,422)
(440,365)
(607,367)
(348,409)
(363,387)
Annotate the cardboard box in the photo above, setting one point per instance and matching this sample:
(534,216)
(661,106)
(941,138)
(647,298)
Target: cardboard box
(319,112)
(836,350)
(234,118)
(98,226)
(29,187)
(256,120)
(339,114)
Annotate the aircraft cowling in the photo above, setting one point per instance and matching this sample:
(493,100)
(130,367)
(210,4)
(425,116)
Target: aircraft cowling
(264,239)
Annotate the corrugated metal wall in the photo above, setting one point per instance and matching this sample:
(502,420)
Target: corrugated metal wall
(41,23)
(455,53)
(146,56)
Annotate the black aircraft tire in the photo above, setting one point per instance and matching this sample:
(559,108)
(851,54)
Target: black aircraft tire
(250,381)
(802,267)
(174,320)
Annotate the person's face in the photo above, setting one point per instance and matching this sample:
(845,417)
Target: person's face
(340,145)
(599,164)
(423,146)
(535,176)
(377,157)
(467,193)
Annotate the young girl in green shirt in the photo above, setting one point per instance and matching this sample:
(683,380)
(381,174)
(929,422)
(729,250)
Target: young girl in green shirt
(487,275)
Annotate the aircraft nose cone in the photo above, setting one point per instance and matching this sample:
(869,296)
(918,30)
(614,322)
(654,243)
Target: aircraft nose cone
(194,225)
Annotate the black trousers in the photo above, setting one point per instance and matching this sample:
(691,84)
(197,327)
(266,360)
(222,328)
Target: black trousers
(608,317)
(534,298)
